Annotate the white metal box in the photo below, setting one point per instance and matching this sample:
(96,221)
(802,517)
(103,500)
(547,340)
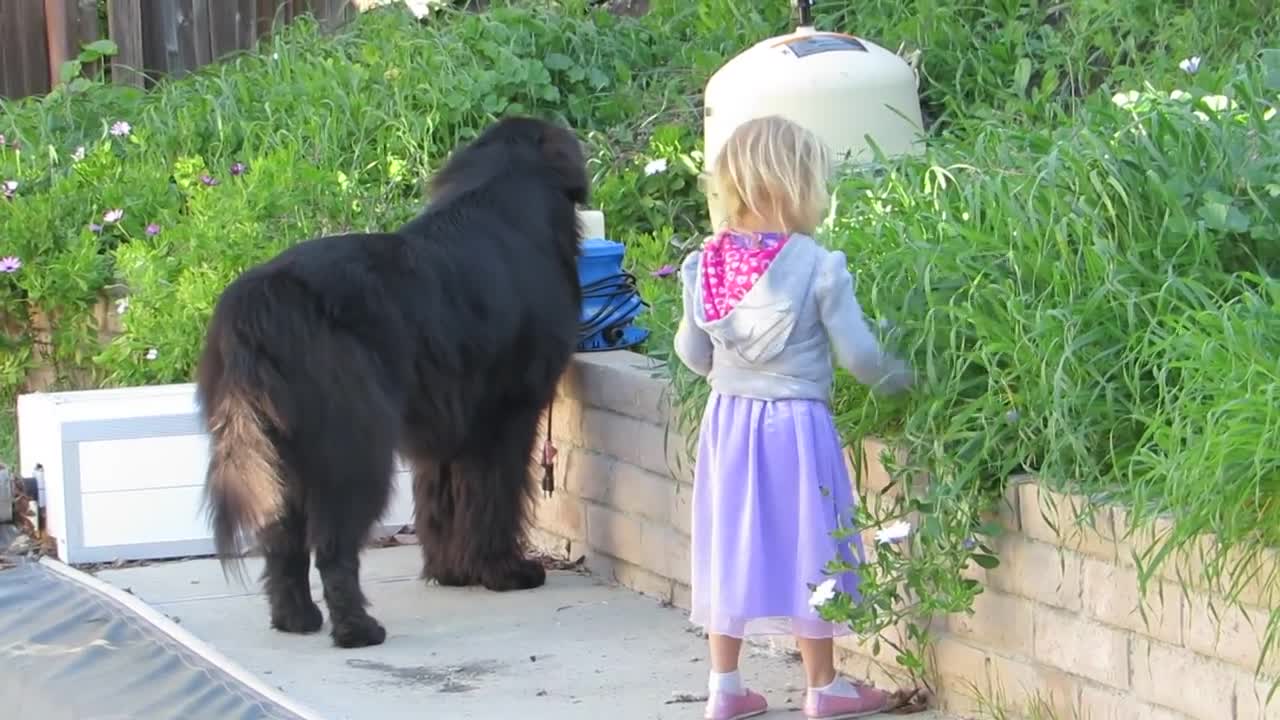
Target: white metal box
(124,472)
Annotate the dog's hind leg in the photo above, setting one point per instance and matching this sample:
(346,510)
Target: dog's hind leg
(346,496)
(493,504)
(288,566)
(434,522)
(339,564)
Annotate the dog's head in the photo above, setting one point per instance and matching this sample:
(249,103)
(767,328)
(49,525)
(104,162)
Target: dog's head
(527,144)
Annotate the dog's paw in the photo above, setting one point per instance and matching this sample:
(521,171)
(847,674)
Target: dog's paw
(358,632)
(304,620)
(520,574)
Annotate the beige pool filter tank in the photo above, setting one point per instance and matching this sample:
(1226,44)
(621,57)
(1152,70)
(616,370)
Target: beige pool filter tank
(844,88)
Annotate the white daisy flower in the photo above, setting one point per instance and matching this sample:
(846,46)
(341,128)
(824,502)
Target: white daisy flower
(656,166)
(894,533)
(1218,103)
(823,594)
(1125,99)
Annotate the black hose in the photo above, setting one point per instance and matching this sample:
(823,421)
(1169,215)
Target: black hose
(620,289)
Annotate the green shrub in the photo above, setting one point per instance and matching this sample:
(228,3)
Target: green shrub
(325,134)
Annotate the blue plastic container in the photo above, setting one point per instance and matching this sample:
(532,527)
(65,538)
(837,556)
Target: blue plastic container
(610,299)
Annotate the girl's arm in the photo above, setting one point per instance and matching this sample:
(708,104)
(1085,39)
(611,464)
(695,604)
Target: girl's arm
(855,347)
(692,344)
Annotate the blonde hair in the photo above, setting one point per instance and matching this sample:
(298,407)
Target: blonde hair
(773,168)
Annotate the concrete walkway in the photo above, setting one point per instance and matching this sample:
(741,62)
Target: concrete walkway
(577,648)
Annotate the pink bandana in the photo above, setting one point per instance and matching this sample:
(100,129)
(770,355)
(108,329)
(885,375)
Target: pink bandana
(732,262)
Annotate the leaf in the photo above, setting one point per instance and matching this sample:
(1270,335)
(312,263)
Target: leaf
(988,562)
(1049,82)
(909,661)
(1271,67)
(68,70)
(556,61)
(991,529)
(1223,217)
(623,71)
(1022,76)
(103,47)
(598,79)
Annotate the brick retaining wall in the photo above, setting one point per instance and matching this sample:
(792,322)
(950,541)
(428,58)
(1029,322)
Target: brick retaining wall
(1058,620)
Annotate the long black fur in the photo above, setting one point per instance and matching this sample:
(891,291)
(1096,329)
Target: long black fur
(443,341)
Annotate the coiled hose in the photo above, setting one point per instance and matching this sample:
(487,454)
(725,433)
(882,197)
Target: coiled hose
(618,290)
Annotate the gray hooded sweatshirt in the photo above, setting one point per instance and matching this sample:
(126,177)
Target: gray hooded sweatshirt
(777,342)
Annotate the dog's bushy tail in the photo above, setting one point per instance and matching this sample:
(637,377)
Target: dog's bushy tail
(244,484)
(245,490)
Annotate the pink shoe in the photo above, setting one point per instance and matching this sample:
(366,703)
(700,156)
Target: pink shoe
(825,706)
(727,706)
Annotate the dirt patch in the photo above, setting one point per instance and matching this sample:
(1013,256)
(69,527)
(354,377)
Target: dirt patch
(444,678)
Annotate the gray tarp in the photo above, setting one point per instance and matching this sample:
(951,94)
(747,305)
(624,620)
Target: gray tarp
(68,649)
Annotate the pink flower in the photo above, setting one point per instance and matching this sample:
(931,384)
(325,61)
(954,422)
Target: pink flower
(663,271)
(120,128)
(10,187)
(10,264)
(208,180)
(237,169)
(112,216)
(153,230)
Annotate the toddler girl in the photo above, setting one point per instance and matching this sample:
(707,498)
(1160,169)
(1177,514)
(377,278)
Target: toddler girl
(765,307)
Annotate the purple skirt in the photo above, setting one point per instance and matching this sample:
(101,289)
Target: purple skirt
(770,487)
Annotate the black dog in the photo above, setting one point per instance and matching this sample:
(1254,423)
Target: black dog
(443,340)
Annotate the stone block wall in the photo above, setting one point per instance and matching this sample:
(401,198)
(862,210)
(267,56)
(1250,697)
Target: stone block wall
(1057,633)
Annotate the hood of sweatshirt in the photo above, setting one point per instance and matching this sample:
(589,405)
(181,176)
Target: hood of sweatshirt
(758,326)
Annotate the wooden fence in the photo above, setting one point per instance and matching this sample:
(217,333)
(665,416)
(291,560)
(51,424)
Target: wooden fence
(156,38)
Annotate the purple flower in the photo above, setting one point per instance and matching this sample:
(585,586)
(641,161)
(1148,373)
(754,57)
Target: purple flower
(237,169)
(95,227)
(112,216)
(153,230)
(208,180)
(1012,416)
(663,271)
(10,264)
(120,128)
